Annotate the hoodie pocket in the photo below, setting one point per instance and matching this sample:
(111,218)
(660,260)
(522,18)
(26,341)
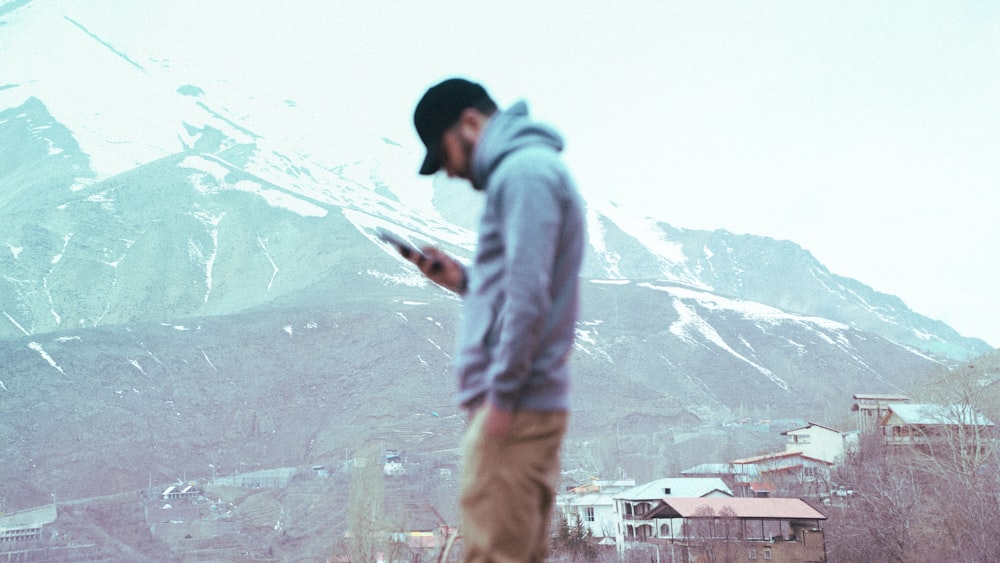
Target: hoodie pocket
(482,327)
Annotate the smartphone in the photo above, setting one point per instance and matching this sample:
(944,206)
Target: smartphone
(406,249)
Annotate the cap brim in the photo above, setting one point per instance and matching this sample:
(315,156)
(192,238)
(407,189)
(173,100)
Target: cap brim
(431,162)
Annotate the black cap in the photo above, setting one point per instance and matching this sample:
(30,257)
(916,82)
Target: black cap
(438,110)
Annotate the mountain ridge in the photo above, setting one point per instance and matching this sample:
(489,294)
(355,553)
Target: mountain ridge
(718,259)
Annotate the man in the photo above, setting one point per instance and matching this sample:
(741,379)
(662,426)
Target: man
(521,299)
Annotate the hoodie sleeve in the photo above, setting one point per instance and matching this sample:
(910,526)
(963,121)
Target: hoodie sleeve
(531,206)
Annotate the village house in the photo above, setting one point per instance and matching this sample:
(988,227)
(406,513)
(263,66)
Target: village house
(816,441)
(783,530)
(394,465)
(871,408)
(935,429)
(633,507)
(790,472)
(422,545)
(180,492)
(742,480)
(26,524)
(594,503)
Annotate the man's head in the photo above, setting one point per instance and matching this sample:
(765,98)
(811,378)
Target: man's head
(449,118)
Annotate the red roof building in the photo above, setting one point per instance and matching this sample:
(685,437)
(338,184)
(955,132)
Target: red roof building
(719,528)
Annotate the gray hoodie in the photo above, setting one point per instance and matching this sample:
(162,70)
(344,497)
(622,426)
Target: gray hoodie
(521,304)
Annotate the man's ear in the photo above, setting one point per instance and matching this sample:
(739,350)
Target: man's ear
(471,123)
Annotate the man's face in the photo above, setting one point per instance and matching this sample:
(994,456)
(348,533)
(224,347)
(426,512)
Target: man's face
(456,152)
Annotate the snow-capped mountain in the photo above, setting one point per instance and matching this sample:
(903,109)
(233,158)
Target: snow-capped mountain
(171,258)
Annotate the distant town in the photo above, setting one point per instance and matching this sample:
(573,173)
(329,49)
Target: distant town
(785,506)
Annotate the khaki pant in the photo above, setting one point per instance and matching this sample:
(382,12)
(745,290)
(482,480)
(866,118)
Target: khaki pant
(508,487)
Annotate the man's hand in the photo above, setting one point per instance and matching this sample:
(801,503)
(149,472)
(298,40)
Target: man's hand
(440,268)
(498,422)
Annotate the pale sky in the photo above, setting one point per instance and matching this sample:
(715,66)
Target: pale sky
(866,132)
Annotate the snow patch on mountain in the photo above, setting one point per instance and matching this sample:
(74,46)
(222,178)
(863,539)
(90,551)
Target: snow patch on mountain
(41,352)
(690,325)
(136,365)
(218,172)
(648,232)
(262,244)
(275,198)
(596,234)
(16,324)
(202,164)
(202,256)
(748,309)
(587,340)
(135,118)
(414,280)
(103,199)
(643,228)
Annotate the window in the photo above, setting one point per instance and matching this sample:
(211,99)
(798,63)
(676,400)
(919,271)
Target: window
(588,514)
(752,554)
(767,554)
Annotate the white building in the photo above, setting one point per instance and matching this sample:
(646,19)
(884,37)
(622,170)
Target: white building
(177,492)
(26,524)
(816,441)
(595,504)
(633,507)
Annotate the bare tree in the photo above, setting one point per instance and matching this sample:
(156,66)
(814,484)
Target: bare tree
(875,522)
(714,538)
(935,497)
(968,517)
(964,441)
(961,466)
(365,515)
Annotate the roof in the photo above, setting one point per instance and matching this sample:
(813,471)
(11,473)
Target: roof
(679,487)
(599,485)
(808,426)
(762,508)
(776,456)
(30,518)
(722,469)
(880,397)
(933,414)
(177,490)
(586,499)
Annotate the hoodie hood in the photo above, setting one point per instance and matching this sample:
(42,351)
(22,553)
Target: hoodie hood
(507,132)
